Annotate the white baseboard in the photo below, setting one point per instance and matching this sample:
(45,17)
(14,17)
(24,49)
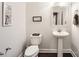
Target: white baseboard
(75,50)
(55,51)
(73,54)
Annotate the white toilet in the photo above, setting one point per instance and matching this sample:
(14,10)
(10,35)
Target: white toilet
(33,50)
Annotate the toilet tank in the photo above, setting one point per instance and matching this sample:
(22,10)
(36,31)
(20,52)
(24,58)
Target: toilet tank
(36,38)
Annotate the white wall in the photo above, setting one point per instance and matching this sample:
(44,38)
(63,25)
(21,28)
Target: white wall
(14,36)
(44,27)
(75,31)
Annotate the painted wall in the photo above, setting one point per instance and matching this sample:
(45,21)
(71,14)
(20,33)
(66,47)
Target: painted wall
(75,32)
(44,27)
(14,36)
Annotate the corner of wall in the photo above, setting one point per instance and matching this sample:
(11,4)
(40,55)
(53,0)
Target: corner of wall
(75,50)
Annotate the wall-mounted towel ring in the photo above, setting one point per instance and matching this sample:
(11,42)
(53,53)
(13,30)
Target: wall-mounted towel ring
(76,18)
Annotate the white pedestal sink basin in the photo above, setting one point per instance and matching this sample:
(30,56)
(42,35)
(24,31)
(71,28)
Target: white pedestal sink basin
(60,35)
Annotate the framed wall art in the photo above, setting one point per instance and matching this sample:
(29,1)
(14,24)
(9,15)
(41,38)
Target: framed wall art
(37,18)
(76,17)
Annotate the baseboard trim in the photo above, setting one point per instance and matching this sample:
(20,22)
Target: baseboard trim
(73,54)
(55,51)
(75,50)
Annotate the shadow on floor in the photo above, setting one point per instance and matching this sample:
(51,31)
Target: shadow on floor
(53,55)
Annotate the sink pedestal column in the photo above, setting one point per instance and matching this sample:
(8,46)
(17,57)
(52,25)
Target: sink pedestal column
(60,47)
(60,35)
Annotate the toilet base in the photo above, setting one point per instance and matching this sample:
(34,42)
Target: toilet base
(34,55)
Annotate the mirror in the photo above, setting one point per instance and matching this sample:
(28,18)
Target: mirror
(58,15)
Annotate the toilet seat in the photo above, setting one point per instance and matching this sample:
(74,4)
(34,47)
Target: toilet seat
(32,50)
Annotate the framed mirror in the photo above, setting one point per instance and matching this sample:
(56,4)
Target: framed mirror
(58,15)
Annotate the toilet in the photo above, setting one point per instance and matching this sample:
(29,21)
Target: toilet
(33,50)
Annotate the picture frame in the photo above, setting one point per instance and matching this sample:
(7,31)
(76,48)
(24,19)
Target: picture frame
(37,18)
(6,14)
(76,17)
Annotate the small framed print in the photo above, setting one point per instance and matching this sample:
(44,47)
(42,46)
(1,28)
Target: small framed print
(76,17)
(37,18)
(6,14)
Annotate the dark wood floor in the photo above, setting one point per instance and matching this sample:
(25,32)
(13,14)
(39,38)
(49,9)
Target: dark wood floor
(53,55)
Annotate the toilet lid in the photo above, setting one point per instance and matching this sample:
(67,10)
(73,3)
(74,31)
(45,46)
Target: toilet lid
(31,50)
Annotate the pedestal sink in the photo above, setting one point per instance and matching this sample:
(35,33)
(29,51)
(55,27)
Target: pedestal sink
(60,34)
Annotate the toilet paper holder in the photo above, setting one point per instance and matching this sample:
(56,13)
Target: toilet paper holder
(1,53)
